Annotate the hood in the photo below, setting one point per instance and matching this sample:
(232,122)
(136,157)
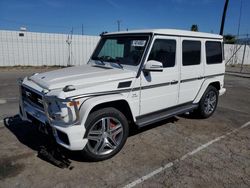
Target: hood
(80,76)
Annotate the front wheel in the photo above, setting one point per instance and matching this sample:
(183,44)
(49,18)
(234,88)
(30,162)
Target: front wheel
(107,132)
(208,103)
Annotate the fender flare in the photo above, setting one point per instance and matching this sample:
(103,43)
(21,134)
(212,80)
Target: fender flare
(203,88)
(90,103)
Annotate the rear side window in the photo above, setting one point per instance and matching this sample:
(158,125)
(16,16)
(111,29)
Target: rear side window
(213,52)
(164,51)
(191,52)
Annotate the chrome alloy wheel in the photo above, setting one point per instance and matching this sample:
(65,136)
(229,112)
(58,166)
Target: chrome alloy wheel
(210,102)
(105,136)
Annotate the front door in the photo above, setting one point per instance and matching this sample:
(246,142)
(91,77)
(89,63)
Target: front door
(159,90)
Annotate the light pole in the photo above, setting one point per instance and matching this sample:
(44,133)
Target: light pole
(118,25)
(223,17)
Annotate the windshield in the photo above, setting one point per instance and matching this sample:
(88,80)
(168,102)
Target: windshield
(125,50)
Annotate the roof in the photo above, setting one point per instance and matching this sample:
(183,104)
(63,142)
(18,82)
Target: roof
(174,32)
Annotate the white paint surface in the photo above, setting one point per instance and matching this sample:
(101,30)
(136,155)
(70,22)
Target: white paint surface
(169,165)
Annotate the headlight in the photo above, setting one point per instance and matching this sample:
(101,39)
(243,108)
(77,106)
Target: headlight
(62,111)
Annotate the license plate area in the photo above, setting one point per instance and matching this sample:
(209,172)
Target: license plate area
(42,127)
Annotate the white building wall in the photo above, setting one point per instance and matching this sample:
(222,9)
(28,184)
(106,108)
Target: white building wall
(38,49)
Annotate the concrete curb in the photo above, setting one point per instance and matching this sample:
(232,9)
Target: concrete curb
(237,75)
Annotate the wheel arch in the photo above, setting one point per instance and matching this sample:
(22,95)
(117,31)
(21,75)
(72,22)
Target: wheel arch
(95,103)
(211,81)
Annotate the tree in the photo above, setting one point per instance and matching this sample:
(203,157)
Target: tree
(194,27)
(229,39)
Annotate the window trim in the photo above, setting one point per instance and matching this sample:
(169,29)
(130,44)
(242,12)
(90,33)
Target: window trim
(192,40)
(149,40)
(159,38)
(222,52)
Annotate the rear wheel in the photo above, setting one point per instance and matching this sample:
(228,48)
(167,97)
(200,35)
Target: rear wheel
(106,131)
(208,103)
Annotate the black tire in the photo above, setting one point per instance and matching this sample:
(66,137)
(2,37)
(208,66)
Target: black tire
(202,111)
(111,117)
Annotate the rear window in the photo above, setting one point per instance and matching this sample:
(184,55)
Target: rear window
(213,52)
(191,52)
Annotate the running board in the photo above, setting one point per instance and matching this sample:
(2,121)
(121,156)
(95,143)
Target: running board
(154,117)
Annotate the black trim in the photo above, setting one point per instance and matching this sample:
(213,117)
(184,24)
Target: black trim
(143,87)
(124,84)
(200,78)
(63,136)
(126,34)
(213,75)
(151,70)
(161,34)
(123,90)
(102,93)
(107,35)
(191,79)
(154,86)
(143,59)
(159,115)
(151,36)
(174,82)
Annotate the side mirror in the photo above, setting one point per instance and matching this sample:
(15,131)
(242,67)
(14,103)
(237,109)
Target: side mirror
(153,66)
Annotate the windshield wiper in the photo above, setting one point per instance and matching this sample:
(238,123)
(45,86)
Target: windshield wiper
(116,61)
(118,64)
(99,61)
(109,59)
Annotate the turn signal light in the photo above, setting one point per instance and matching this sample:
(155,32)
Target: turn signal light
(73,103)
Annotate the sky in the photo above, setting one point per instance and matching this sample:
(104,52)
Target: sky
(96,16)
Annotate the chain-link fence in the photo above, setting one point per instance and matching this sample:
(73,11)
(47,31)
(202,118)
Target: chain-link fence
(237,56)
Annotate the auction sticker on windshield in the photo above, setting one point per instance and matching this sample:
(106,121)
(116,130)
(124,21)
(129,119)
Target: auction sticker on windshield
(138,43)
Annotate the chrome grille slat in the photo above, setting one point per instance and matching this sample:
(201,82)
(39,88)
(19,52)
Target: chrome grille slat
(32,97)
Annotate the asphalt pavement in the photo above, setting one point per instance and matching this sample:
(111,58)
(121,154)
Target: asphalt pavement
(178,152)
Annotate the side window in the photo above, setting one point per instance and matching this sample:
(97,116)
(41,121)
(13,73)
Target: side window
(191,52)
(213,52)
(164,51)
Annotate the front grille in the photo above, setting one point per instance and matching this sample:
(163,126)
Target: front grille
(32,97)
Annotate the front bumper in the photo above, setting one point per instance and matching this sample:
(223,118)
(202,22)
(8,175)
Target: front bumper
(70,137)
(222,91)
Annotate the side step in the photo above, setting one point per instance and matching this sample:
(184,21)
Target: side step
(154,117)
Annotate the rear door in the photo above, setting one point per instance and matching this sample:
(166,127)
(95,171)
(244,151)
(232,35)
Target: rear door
(159,90)
(192,69)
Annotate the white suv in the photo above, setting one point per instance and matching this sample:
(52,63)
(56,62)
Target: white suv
(133,78)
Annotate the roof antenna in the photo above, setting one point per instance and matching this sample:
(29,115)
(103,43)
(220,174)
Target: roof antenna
(223,17)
